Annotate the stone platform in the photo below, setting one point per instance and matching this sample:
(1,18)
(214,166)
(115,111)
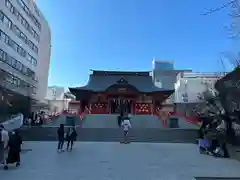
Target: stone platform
(115,161)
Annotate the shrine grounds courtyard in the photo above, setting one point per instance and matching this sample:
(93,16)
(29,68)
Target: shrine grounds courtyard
(115,161)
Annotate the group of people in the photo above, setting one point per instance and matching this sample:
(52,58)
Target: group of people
(37,119)
(212,139)
(10,147)
(70,136)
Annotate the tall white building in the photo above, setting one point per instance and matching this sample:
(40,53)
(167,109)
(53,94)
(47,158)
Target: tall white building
(165,76)
(55,93)
(190,85)
(56,99)
(162,65)
(25,48)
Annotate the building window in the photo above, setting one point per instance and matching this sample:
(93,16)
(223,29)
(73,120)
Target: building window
(27,11)
(11,79)
(20,18)
(4,57)
(1,16)
(7,22)
(1,54)
(34,62)
(17,48)
(158,83)
(13,62)
(8,4)
(36,9)
(24,70)
(19,33)
(19,66)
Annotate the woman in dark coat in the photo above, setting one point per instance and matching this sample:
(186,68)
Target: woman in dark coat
(120,117)
(14,144)
(71,137)
(60,134)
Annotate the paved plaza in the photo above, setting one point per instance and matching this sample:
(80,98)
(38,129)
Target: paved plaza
(115,161)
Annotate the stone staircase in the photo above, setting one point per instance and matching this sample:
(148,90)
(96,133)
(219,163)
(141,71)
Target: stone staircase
(105,128)
(137,121)
(114,134)
(63,119)
(146,121)
(110,121)
(100,121)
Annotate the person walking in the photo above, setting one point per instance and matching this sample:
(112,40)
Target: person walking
(4,138)
(71,137)
(60,134)
(120,118)
(126,126)
(15,142)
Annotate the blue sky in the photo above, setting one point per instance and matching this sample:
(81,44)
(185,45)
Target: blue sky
(128,34)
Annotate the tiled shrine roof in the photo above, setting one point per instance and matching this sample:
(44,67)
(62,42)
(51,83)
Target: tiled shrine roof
(100,81)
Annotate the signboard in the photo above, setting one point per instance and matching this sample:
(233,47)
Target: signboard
(122,90)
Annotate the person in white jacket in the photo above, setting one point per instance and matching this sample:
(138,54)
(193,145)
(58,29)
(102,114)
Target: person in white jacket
(4,141)
(126,126)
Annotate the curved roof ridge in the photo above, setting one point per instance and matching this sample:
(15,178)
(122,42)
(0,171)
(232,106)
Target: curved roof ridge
(99,83)
(121,73)
(84,86)
(112,71)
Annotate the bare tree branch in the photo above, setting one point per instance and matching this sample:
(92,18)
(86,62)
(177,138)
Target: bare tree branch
(210,11)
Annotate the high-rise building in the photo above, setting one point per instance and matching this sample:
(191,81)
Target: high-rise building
(163,65)
(25,49)
(165,76)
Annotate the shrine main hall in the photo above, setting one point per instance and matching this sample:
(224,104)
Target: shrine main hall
(111,92)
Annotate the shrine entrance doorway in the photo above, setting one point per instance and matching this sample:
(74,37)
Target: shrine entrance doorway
(120,105)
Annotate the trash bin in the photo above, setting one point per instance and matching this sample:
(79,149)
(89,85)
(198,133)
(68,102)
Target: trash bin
(173,122)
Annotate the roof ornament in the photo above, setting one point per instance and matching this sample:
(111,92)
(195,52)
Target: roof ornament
(122,81)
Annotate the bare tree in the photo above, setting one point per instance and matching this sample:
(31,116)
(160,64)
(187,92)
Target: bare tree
(233,29)
(223,6)
(209,100)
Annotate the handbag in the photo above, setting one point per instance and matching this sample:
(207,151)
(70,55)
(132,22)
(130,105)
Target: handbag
(203,143)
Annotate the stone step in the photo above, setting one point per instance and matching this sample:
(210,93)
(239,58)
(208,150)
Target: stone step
(114,135)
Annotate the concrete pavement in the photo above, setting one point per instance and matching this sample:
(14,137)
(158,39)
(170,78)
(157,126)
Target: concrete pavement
(115,161)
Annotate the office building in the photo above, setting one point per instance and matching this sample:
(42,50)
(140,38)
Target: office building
(163,65)
(190,88)
(165,76)
(25,49)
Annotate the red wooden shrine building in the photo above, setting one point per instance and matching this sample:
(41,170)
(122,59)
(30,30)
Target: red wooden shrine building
(108,92)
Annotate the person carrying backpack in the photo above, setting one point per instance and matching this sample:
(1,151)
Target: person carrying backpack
(126,126)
